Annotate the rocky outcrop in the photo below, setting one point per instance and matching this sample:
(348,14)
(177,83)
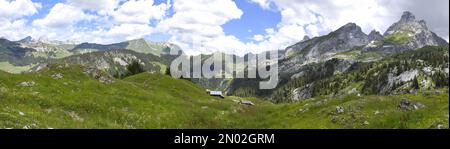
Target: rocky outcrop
(98,75)
(27,84)
(375,35)
(306,37)
(303,93)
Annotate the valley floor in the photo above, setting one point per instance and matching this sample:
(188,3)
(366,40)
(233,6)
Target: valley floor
(64,96)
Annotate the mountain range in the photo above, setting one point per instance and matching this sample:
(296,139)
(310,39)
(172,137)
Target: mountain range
(322,57)
(345,79)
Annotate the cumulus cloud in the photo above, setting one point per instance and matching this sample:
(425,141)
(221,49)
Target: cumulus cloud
(130,31)
(18,8)
(61,16)
(103,7)
(200,21)
(139,12)
(258,37)
(265,4)
(102,21)
(11,13)
(14,30)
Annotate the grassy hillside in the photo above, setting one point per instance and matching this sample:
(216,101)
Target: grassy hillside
(63,96)
(78,101)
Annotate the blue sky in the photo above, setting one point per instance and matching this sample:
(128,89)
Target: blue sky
(253,21)
(198,26)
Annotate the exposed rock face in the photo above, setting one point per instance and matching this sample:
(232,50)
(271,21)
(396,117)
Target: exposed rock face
(408,34)
(344,38)
(320,49)
(375,35)
(302,93)
(403,77)
(98,75)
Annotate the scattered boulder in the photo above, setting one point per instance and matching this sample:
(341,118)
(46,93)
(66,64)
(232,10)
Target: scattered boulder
(105,80)
(408,105)
(378,112)
(339,109)
(366,123)
(334,119)
(75,116)
(41,66)
(27,84)
(303,110)
(60,67)
(418,106)
(404,103)
(57,76)
(246,102)
(97,74)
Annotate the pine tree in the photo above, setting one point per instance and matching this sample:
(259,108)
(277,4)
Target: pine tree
(415,83)
(134,68)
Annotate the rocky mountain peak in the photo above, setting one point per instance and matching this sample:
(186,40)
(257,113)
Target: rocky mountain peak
(306,37)
(27,39)
(349,27)
(407,23)
(407,17)
(350,31)
(375,35)
(409,34)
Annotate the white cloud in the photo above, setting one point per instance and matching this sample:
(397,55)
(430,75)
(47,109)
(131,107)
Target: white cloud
(265,4)
(139,12)
(200,21)
(130,31)
(18,8)
(258,37)
(103,7)
(13,30)
(108,21)
(11,12)
(62,16)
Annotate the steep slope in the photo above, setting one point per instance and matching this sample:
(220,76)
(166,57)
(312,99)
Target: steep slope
(316,66)
(422,69)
